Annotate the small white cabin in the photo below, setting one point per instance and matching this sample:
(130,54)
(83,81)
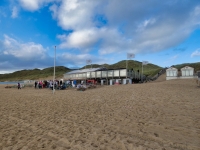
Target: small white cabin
(187,71)
(171,73)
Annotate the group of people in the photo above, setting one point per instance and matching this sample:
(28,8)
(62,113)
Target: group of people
(57,84)
(50,84)
(40,84)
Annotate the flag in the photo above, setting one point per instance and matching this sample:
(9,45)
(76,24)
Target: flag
(145,62)
(89,61)
(130,55)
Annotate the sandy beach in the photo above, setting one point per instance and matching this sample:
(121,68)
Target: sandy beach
(158,115)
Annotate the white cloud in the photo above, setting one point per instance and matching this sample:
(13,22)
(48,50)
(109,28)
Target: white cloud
(145,23)
(28,50)
(17,55)
(14,12)
(85,40)
(33,5)
(114,42)
(81,39)
(75,14)
(196,53)
(54,9)
(30,5)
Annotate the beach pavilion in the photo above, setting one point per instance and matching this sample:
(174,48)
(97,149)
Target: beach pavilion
(102,76)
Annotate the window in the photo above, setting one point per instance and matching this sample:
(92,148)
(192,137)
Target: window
(88,74)
(98,74)
(123,72)
(104,74)
(116,73)
(93,74)
(110,73)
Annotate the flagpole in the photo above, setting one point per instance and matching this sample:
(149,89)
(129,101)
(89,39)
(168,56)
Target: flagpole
(142,72)
(126,68)
(54,70)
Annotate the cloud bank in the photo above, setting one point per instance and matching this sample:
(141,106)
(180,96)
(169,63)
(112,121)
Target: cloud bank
(15,54)
(121,26)
(130,26)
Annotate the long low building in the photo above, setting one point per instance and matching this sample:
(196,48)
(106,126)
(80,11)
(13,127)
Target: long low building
(99,74)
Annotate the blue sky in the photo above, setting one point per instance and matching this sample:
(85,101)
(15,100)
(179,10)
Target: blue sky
(164,33)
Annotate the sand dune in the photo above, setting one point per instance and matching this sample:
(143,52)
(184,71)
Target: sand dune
(160,115)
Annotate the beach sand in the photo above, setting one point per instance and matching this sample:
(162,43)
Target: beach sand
(157,115)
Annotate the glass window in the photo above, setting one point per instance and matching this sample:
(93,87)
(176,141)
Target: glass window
(123,73)
(93,74)
(84,75)
(98,73)
(104,74)
(110,73)
(116,73)
(88,74)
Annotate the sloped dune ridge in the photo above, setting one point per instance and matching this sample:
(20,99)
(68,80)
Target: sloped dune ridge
(158,115)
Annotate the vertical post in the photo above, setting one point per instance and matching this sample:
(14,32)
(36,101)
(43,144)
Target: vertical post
(142,72)
(54,69)
(126,67)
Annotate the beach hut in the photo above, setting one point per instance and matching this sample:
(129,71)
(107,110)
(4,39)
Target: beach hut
(171,73)
(187,71)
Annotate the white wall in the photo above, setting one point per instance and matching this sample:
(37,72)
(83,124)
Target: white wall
(171,78)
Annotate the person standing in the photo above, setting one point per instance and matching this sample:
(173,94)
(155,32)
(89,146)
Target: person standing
(19,86)
(35,84)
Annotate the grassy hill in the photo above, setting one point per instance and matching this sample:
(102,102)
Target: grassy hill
(95,66)
(33,74)
(149,70)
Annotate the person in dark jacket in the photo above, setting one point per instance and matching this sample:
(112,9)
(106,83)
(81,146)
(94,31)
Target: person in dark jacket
(19,86)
